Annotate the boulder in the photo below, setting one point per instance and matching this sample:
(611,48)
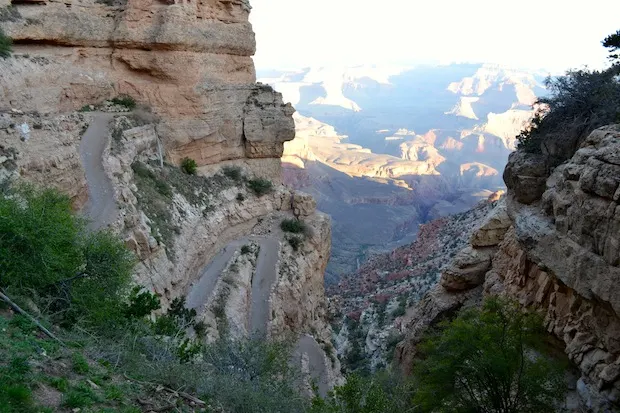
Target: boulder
(493,229)
(303,204)
(467,269)
(526,176)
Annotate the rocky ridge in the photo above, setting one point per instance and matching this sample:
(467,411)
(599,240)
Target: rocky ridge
(554,248)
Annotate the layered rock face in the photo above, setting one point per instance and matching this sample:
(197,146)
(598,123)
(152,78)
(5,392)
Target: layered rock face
(188,61)
(559,255)
(211,238)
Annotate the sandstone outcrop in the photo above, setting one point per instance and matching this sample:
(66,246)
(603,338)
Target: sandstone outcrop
(558,254)
(189,62)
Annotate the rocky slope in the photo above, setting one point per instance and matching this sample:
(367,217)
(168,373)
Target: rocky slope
(371,302)
(189,67)
(555,248)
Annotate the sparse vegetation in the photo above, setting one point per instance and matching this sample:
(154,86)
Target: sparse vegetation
(294,226)
(125,101)
(189,166)
(233,172)
(111,369)
(260,186)
(6,45)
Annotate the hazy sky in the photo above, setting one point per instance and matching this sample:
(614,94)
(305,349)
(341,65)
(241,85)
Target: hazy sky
(548,34)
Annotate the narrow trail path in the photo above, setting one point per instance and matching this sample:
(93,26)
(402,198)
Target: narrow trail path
(316,362)
(102,211)
(101,207)
(263,280)
(200,292)
(264,277)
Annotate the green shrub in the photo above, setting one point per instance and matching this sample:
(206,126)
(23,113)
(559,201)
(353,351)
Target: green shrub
(124,100)
(295,242)
(80,276)
(245,250)
(240,197)
(379,393)
(79,396)
(233,172)
(189,166)
(79,363)
(294,225)
(6,45)
(260,186)
(141,303)
(488,359)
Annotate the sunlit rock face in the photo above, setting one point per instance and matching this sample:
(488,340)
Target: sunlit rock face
(190,63)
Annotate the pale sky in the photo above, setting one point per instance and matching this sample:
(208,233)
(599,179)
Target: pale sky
(547,34)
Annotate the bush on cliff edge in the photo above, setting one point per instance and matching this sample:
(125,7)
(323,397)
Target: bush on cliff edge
(578,103)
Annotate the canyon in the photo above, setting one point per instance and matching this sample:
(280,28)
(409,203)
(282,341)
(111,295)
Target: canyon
(385,149)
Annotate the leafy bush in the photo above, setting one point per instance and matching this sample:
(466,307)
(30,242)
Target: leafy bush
(124,100)
(240,197)
(6,45)
(81,276)
(379,393)
(293,225)
(189,166)
(141,303)
(233,172)
(488,359)
(260,186)
(246,250)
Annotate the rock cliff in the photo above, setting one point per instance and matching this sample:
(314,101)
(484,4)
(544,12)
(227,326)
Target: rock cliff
(213,238)
(191,62)
(555,248)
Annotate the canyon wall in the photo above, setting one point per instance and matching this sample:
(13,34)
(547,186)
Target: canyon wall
(212,238)
(190,62)
(556,249)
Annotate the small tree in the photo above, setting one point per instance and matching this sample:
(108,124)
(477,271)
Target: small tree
(488,360)
(578,102)
(189,166)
